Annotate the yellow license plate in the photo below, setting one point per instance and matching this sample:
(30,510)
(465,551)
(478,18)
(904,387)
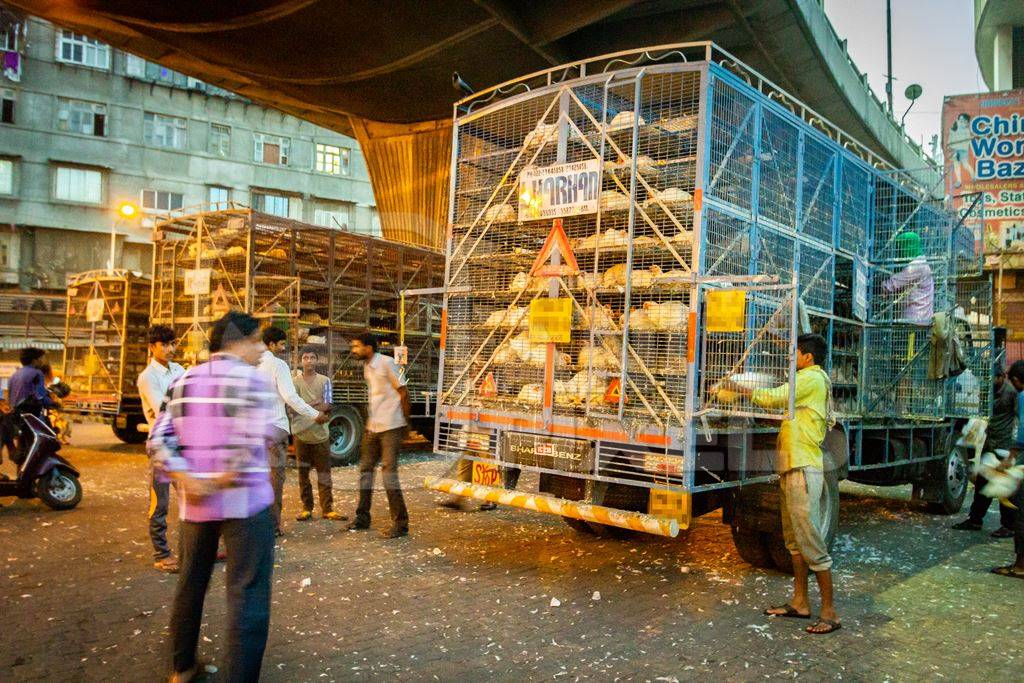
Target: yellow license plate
(486,474)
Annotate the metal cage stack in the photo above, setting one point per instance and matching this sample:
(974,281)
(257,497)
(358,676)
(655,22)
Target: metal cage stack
(722,202)
(321,285)
(105,341)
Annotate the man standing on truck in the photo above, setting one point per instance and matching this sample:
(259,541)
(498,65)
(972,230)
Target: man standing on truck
(801,476)
(1016,570)
(279,376)
(153,383)
(914,284)
(999,435)
(311,439)
(386,426)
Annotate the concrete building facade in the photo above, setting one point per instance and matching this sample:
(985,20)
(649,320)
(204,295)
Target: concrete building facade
(999,42)
(85,128)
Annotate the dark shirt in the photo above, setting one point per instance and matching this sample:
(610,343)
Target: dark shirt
(1004,415)
(25,382)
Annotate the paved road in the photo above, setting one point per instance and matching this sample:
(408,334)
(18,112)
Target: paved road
(505,595)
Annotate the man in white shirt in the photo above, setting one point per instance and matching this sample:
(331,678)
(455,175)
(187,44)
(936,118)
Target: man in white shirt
(153,383)
(386,426)
(279,376)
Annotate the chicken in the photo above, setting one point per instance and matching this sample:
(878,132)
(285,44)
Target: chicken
(603,318)
(667,197)
(235,251)
(1001,483)
(611,238)
(276,253)
(541,134)
(667,316)
(672,279)
(600,357)
(684,237)
(644,164)
(500,213)
(624,119)
(613,200)
(523,281)
(616,276)
(513,316)
(640,321)
(531,393)
(588,281)
(584,388)
(680,124)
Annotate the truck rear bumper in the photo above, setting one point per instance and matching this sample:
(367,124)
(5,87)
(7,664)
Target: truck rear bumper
(636,521)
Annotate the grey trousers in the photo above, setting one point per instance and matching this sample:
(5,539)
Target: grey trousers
(383,448)
(804,505)
(159,499)
(318,457)
(278,455)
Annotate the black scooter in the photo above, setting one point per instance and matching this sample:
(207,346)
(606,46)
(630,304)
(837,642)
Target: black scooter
(42,472)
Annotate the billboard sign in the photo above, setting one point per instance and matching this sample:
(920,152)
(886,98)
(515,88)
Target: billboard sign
(983,147)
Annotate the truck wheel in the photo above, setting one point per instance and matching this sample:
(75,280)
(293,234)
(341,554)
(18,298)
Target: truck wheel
(947,481)
(425,427)
(752,547)
(129,432)
(59,489)
(346,428)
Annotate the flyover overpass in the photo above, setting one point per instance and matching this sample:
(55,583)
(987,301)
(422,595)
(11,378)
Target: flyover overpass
(382,71)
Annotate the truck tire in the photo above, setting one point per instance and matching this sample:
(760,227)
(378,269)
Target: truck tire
(129,433)
(946,483)
(753,547)
(425,427)
(346,426)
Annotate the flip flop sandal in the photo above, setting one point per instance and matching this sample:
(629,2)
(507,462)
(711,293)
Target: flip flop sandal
(832,626)
(790,612)
(1008,571)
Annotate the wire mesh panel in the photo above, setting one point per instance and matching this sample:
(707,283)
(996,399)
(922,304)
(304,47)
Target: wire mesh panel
(779,174)
(908,226)
(818,208)
(817,283)
(748,341)
(731,146)
(969,240)
(855,211)
(105,339)
(322,286)
(971,391)
(628,295)
(896,383)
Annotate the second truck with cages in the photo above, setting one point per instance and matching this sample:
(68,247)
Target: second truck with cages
(629,231)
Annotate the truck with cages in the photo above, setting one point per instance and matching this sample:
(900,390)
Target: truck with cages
(321,285)
(105,348)
(628,231)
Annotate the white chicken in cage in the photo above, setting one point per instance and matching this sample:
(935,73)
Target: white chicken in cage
(500,213)
(583,388)
(668,197)
(666,316)
(520,349)
(588,281)
(639,279)
(513,316)
(531,393)
(672,279)
(597,356)
(645,165)
(598,317)
(235,251)
(522,281)
(625,119)
(613,200)
(541,134)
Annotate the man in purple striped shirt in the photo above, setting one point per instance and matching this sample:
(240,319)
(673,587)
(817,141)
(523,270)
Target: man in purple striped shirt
(212,440)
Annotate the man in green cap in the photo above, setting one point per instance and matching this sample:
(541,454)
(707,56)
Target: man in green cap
(914,285)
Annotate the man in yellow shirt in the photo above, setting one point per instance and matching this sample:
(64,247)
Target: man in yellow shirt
(801,477)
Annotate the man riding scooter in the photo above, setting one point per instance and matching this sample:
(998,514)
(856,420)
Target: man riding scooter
(42,472)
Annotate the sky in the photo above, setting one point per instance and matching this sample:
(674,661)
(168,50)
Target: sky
(933,46)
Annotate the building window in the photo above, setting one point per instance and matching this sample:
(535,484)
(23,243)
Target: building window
(87,118)
(78,185)
(270,149)
(6,176)
(9,37)
(274,204)
(75,48)
(336,216)
(7,106)
(160,201)
(218,197)
(220,140)
(332,159)
(164,131)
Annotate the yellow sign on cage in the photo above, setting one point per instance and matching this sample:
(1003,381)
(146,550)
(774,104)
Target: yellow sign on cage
(726,310)
(550,321)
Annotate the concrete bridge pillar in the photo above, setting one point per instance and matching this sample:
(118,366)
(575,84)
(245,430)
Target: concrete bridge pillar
(409,165)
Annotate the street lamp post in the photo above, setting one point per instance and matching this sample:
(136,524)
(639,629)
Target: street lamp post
(126,211)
